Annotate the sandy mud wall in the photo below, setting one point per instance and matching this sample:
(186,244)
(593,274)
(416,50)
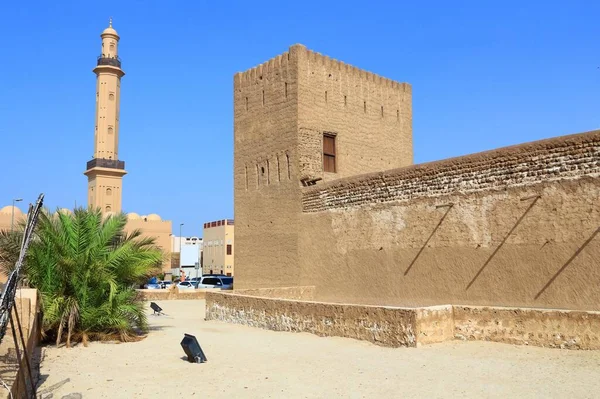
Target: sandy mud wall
(516,226)
(266,185)
(306,293)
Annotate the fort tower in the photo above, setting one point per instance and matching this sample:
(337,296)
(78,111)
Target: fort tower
(303,119)
(105,171)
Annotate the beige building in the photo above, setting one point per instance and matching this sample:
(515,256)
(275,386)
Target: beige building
(153,226)
(218,254)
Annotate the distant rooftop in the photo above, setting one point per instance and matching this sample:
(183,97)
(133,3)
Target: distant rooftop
(223,222)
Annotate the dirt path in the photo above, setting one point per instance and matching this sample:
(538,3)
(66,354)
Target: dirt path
(245,362)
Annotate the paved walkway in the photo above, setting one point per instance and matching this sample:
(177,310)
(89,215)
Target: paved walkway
(245,362)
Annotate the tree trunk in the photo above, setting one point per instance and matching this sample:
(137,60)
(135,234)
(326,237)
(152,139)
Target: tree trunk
(70,326)
(60,330)
(84,339)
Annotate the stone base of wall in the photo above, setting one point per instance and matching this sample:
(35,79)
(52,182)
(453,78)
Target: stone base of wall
(565,329)
(410,327)
(383,326)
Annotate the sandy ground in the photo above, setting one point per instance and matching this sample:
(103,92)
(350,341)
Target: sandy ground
(245,362)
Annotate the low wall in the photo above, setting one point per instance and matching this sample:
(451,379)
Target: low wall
(27,307)
(410,327)
(172,294)
(523,326)
(383,326)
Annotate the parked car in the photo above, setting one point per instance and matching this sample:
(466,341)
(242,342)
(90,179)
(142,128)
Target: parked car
(185,285)
(153,286)
(216,281)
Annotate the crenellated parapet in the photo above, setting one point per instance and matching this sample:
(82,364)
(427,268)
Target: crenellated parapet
(270,68)
(343,69)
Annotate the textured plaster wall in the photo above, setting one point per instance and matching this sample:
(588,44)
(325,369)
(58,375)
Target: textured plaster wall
(97,190)
(160,230)
(266,190)
(392,238)
(108,94)
(300,293)
(370,115)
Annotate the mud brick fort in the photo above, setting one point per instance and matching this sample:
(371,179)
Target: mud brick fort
(339,233)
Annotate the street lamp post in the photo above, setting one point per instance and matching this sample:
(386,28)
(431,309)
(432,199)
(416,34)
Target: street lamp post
(12,215)
(180,225)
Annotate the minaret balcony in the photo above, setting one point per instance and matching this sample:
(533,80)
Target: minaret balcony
(112,61)
(105,163)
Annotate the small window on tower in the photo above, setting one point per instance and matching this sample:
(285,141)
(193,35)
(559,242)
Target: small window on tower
(111,96)
(329,152)
(108,191)
(112,47)
(108,208)
(110,130)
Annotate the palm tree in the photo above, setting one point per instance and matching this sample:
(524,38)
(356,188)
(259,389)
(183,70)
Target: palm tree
(85,267)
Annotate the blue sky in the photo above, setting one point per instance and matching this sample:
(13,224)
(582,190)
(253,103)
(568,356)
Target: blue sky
(483,76)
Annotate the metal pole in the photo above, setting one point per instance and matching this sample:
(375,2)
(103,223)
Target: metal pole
(180,225)
(12,214)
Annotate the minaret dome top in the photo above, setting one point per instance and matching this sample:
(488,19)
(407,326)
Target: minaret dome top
(110,31)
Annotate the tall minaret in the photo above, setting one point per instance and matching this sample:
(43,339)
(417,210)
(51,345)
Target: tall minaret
(105,172)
